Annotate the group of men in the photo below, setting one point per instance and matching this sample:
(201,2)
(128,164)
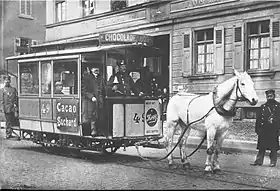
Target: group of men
(94,91)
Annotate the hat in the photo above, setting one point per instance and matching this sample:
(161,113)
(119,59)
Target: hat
(120,63)
(58,83)
(7,77)
(270,91)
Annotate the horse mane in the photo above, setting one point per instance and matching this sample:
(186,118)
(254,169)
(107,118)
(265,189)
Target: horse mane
(224,90)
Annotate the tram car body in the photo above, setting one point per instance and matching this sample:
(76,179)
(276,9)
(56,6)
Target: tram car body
(55,119)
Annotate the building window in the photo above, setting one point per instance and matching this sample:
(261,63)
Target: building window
(258,45)
(89,7)
(250,113)
(60,10)
(204,49)
(118,4)
(25,7)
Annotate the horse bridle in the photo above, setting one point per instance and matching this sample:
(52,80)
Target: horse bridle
(242,98)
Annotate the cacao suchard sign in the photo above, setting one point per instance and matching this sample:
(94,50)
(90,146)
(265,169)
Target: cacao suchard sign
(67,115)
(125,38)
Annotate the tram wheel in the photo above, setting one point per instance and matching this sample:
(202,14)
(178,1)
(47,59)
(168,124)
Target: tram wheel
(109,151)
(47,147)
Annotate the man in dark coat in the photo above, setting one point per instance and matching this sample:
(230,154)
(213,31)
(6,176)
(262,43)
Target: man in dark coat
(9,104)
(267,128)
(121,83)
(93,94)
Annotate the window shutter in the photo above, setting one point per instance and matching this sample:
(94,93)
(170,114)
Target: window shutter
(238,47)
(22,6)
(16,45)
(187,53)
(28,7)
(275,44)
(219,50)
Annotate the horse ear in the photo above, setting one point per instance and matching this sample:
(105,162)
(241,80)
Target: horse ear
(235,72)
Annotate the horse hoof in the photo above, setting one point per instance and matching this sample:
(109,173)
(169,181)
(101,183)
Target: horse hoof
(217,171)
(187,165)
(206,172)
(172,166)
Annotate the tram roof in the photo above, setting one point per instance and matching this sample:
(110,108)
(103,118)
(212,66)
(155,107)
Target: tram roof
(78,51)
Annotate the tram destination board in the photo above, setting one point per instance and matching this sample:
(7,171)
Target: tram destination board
(67,115)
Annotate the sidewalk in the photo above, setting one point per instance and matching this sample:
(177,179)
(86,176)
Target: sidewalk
(229,145)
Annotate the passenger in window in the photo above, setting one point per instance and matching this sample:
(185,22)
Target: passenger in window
(9,105)
(93,94)
(58,87)
(121,83)
(267,128)
(144,82)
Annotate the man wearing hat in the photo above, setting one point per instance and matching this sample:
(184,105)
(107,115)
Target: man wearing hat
(58,87)
(93,93)
(9,104)
(122,83)
(267,128)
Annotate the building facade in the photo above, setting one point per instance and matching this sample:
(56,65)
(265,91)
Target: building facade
(22,24)
(202,40)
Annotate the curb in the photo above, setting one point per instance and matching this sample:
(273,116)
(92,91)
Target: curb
(229,145)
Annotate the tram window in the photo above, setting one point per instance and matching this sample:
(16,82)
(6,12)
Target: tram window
(29,79)
(65,71)
(46,78)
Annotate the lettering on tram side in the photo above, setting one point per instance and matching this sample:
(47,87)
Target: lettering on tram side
(137,117)
(151,117)
(67,115)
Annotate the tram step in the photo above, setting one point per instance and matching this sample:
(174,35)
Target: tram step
(97,137)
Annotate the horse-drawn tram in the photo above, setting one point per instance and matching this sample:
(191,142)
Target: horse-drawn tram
(56,118)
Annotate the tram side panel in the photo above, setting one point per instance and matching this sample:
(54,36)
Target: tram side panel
(58,115)
(134,118)
(29,115)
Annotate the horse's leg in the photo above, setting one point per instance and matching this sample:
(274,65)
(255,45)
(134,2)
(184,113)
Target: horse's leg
(183,146)
(210,149)
(171,125)
(219,143)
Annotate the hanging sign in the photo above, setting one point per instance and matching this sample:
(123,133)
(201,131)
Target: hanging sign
(67,115)
(125,38)
(152,117)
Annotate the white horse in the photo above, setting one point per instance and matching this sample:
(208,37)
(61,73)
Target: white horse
(185,108)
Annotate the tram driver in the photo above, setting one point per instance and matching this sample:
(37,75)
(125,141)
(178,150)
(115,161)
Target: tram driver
(93,94)
(121,83)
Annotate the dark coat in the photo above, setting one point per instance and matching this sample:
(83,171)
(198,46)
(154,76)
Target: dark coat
(268,132)
(8,99)
(125,84)
(92,87)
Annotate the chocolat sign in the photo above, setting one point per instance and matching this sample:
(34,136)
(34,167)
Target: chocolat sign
(125,38)
(67,115)
(151,117)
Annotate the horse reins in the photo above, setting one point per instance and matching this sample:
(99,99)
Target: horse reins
(188,125)
(181,136)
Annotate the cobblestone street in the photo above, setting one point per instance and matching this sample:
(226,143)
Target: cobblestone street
(27,166)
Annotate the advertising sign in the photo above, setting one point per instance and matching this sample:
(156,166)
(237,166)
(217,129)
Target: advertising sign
(125,38)
(67,114)
(134,119)
(152,117)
